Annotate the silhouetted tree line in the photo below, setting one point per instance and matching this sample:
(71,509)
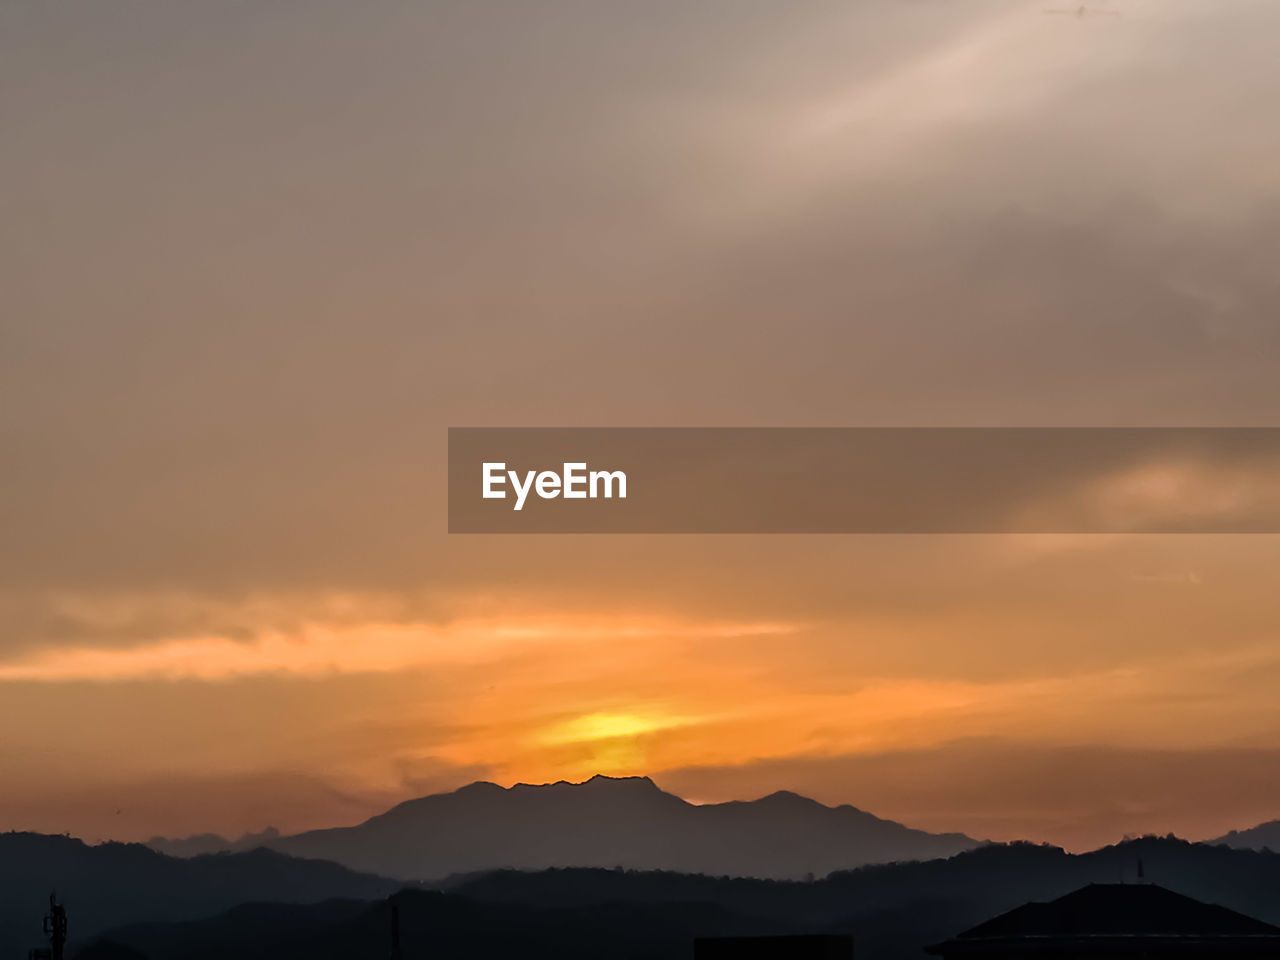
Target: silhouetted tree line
(892,911)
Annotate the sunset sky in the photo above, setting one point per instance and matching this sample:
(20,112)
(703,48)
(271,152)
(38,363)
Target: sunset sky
(256,258)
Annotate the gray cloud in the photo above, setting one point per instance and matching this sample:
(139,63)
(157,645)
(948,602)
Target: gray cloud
(257,260)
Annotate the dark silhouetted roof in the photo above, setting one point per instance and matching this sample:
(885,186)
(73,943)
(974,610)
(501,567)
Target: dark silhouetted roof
(1115,911)
(796,947)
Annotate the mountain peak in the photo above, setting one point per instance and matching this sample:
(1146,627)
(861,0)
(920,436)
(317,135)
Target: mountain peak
(597,783)
(607,821)
(634,783)
(788,798)
(479,787)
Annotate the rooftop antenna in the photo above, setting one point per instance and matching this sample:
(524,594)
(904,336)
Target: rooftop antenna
(55,928)
(396,954)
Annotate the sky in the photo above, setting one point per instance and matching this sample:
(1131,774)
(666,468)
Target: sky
(257,257)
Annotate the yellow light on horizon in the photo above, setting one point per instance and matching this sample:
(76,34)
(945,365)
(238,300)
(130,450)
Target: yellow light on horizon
(606,726)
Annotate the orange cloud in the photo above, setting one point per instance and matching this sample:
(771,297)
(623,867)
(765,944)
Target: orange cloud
(364,648)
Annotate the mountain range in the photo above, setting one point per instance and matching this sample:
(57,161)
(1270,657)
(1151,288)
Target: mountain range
(113,883)
(536,868)
(892,911)
(604,822)
(1265,836)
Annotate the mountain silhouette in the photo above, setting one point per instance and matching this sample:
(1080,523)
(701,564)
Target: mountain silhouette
(114,883)
(1265,836)
(212,843)
(995,878)
(892,911)
(432,925)
(608,822)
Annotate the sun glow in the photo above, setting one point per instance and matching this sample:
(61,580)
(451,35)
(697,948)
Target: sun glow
(607,726)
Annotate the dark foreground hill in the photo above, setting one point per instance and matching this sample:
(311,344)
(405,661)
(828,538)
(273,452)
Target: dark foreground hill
(892,911)
(433,925)
(117,883)
(608,822)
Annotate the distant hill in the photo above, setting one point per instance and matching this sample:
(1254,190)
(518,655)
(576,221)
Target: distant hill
(892,911)
(212,843)
(1265,836)
(115,883)
(971,886)
(609,822)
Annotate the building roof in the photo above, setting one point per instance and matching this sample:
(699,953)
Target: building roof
(1115,911)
